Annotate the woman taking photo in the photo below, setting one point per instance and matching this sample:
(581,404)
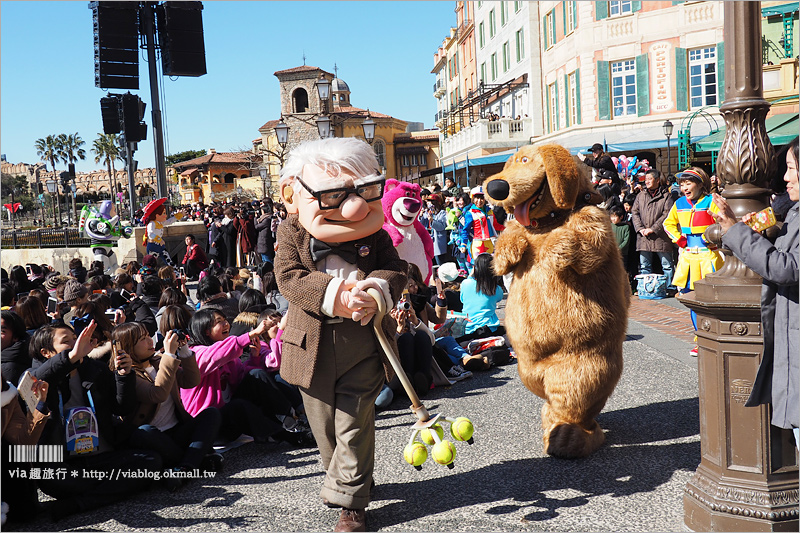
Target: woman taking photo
(160,422)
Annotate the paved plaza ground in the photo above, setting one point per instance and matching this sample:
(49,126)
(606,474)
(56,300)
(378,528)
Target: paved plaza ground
(504,482)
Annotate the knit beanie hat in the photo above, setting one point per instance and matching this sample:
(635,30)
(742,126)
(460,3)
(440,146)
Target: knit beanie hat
(52,281)
(74,290)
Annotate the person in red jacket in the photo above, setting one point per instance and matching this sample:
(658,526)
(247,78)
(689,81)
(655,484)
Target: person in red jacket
(195,259)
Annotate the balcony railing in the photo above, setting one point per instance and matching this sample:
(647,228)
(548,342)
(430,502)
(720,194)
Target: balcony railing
(489,133)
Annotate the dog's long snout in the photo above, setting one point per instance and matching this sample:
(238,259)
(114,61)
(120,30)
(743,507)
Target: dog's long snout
(498,189)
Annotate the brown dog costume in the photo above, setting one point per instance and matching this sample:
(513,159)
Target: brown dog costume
(567,308)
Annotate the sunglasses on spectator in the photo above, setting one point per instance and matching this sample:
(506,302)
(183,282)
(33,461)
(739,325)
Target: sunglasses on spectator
(333,198)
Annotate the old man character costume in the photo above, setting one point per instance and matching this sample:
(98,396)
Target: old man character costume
(331,249)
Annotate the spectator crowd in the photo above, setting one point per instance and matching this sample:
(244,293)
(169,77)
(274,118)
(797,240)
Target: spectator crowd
(126,370)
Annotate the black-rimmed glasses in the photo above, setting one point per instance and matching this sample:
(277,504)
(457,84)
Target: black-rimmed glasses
(333,198)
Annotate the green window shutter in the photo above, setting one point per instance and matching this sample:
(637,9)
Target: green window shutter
(603,94)
(578,93)
(566,99)
(555,88)
(575,12)
(681,90)
(553,25)
(642,85)
(547,107)
(600,10)
(720,72)
(636,5)
(564,17)
(676,2)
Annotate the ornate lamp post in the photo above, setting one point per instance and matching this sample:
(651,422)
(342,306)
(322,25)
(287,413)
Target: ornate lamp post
(263,172)
(282,132)
(668,133)
(747,479)
(369,128)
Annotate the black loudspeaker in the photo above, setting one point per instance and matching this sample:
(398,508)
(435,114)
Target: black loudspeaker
(132,115)
(180,34)
(116,44)
(109,109)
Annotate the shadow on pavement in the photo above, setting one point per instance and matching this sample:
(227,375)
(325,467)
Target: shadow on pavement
(633,460)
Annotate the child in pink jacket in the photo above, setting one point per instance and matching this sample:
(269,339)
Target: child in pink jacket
(249,404)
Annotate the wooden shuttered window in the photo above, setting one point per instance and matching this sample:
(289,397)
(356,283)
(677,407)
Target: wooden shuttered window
(603,91)
(681,88)
(600,10)
(642,85)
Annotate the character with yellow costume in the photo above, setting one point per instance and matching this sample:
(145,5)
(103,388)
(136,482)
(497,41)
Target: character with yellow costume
(687,220)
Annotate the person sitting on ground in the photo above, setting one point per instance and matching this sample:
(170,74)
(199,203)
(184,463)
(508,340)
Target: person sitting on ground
(195,260)
(149,266)
(74,295)
(160,422)
(248,404)
(149,291)
(20,498)
(14,347)
(18,279)
(480,294)
(269,286)
(211,296)
(80,387)
(32,312)
(77,270)
(172,296)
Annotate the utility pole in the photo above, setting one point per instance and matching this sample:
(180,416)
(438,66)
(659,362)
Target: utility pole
(147,12)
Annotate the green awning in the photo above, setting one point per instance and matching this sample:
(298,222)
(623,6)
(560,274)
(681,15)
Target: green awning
(780,128)
(782,9)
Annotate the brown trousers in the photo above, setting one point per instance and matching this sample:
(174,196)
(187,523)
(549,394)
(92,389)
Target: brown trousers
(340,405)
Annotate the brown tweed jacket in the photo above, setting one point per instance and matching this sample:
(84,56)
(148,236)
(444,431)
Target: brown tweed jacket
(304,286)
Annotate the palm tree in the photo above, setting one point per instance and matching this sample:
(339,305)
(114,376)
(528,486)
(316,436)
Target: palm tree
(49,150)
(72,147)
(105,149)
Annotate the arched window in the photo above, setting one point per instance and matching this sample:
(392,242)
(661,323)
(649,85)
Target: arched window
(300,100)
(230,177)
(380,151)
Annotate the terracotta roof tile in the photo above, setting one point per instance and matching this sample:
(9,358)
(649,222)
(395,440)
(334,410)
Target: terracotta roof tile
(218,158)
(304,68)
(269,125)
(358,111)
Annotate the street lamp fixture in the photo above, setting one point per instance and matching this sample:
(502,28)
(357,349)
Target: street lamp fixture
(282,132)
(323,88)
(369,128)
(668,133)
(324,126)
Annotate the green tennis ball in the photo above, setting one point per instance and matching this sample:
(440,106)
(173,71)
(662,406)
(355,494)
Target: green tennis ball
(444,452)
(427,436)
(415,454)
(462,429)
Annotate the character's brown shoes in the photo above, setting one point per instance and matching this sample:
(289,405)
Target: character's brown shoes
(352,520)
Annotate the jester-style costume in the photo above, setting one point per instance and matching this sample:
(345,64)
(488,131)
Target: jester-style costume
(477,230)
(685,225)
(102,226)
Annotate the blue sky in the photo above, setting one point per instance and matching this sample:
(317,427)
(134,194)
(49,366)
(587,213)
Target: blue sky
(384,51)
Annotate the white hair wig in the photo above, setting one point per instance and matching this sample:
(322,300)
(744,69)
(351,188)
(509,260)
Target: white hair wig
(334,155)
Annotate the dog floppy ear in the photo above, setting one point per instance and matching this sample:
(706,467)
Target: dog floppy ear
(563,177)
